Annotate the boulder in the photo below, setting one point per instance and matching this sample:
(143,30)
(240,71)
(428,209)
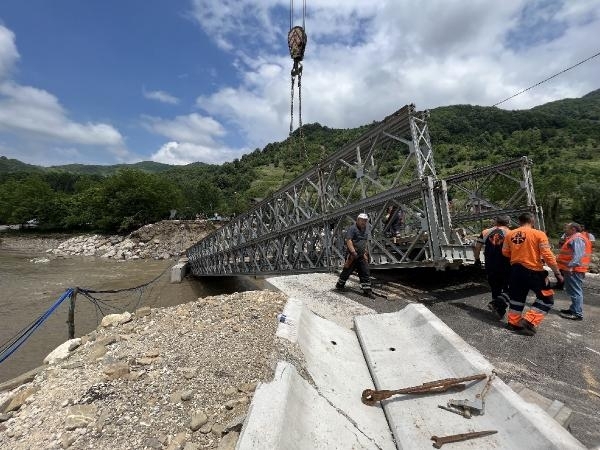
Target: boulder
(80,416)
(112,320)
(18,399)
(116,370)
(62,351)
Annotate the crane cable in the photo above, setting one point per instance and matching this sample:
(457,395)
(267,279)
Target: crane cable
(297,44)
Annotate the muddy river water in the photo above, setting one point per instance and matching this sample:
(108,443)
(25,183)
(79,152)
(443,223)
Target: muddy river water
(28,288)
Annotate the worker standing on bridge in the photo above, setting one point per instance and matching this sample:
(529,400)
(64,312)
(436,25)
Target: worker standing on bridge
(573,261)
(497,266)
(357,257)
(394,221)
(527,249)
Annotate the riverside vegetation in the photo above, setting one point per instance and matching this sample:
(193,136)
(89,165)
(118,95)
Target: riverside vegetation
(561,137)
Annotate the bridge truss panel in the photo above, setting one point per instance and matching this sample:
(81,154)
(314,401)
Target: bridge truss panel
(300,227)
(487,192)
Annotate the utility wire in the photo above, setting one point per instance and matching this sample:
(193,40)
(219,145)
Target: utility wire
(547,79)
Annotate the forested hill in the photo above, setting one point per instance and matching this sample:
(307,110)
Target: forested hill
(562,138)
(14,165)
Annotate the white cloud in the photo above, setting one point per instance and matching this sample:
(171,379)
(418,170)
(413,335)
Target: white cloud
(8,51)
(186,152)
(192,128)
(192,138)
(32,111)
(36,116)
(366,59)
(161,96)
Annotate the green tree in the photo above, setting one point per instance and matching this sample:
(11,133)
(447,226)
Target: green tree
(23,200)
(586,209)
(132,198)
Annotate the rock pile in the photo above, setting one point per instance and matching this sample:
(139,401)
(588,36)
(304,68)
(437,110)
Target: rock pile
(174,378)
(162,240)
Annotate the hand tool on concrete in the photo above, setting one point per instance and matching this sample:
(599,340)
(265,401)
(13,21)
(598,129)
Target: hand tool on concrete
(371,396)
(439,441)
(467,407)
(466,413)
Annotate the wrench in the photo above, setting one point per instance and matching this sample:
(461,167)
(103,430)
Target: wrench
(371,396)
(439,441)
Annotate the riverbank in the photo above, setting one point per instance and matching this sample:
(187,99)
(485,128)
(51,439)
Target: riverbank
(161,240)
(177,377)
(31,280)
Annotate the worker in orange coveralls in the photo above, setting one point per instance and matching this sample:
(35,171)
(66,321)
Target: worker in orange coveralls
(528,249)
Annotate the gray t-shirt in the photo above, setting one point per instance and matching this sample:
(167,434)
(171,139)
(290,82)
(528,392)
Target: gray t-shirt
(359,238)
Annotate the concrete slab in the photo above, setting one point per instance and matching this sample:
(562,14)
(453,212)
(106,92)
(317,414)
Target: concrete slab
(289,414)
(315,290)
(336,364)
(417,347)
(555,408)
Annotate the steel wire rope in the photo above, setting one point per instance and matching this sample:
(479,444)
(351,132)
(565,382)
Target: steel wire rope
(15,337)
(12,344)
(21,337)
(97,307)
(549,78)
(21,332)
(99,302)
(116,291)
(299,74)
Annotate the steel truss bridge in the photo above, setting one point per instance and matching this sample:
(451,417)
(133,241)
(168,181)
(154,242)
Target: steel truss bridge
(300,227)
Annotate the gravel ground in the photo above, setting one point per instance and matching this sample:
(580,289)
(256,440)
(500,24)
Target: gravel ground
(170,378)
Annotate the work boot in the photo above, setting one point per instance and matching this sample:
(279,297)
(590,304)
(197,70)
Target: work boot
(512,327)
(339,286)
(569,315)
(369,294)
(528,329)
(496,309)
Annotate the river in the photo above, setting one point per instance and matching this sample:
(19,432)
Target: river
(27,289)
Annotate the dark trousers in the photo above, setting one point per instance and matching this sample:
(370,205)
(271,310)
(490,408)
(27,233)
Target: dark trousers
(498,277)
(498,280)
(522,280)
(362,266)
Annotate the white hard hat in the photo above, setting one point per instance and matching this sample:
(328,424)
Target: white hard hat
(363,216)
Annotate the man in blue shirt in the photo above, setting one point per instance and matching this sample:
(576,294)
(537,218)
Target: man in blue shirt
(357,257)
(573,261)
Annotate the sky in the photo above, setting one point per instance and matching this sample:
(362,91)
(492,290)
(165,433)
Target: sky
(181,81)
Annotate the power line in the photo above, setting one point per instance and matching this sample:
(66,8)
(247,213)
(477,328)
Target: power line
(547,79)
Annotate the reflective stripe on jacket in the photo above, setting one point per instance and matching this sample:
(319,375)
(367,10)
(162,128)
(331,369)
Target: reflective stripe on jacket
(567,253)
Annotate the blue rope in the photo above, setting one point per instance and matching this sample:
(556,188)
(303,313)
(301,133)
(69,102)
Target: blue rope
(34,326)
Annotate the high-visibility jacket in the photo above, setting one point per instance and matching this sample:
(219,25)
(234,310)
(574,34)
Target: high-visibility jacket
(589,236)
(529,247)
(566,254)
